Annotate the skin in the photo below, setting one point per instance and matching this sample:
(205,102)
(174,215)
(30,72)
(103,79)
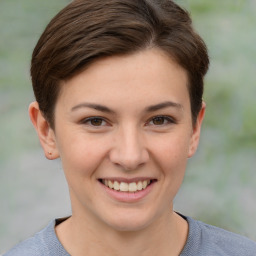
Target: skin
(128,141)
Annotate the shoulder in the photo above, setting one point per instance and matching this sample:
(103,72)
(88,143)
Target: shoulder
(43,243)
(228,242)
(210,240)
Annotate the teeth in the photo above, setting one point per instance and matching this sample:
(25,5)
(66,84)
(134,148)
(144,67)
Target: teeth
(125,187)
(144,184)
(132,187)
(110,184)
(116,185)
(139,185)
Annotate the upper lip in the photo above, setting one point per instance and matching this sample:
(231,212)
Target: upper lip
(128,180)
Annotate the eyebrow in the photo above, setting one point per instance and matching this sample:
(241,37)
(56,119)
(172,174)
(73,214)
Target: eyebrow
(108,110)
(164,105)
(94,106)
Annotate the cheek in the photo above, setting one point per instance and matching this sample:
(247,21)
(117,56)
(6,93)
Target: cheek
(81,155)
(171,156)
(172,150)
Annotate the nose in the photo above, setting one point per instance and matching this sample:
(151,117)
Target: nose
(129,151)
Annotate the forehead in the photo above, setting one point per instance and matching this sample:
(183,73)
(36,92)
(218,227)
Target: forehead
(139,78)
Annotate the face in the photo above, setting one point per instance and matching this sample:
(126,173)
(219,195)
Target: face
(123,131)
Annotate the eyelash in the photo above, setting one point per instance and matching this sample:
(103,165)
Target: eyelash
(93,118)
(167,120)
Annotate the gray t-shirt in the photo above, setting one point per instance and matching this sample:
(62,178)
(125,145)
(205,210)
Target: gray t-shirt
(203,240)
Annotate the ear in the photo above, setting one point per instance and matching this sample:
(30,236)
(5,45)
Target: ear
(44,131)
(196,132)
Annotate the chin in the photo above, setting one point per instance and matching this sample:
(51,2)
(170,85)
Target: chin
(130,226)
(130,222)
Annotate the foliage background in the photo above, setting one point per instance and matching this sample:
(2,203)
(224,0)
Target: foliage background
(220,185)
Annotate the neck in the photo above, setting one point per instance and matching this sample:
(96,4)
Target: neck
(166,236)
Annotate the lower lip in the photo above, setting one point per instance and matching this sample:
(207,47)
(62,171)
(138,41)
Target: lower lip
(128,197)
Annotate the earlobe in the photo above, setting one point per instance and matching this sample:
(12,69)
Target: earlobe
(196,132)
(44,131)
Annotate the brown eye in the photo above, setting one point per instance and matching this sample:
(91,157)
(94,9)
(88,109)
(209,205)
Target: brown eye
(161,120)
(96,121)
(158,120)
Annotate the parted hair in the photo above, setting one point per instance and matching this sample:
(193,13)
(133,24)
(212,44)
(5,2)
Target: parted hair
(87,30)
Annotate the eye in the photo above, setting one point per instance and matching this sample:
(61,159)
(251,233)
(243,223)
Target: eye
(161,120)
(94,121)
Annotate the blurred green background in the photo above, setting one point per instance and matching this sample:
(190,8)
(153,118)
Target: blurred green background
(220,184)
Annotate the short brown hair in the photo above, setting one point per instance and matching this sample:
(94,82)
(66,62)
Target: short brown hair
(87,30)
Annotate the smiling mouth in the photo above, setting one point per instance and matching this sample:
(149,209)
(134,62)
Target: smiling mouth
(127,187)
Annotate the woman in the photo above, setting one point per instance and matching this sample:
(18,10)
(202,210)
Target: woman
(118,87)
